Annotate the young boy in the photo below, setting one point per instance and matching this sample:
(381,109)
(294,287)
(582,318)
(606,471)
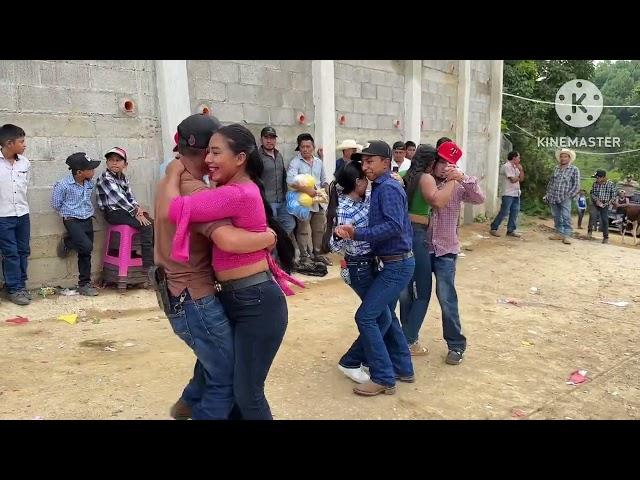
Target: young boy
(119,205)
(72,200)
(621,203)
(581,203)
(14,212)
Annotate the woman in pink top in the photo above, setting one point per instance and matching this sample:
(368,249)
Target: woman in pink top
(253,300)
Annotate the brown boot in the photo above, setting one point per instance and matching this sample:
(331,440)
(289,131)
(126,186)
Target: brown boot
(180,410)
(371,389)
(556,236)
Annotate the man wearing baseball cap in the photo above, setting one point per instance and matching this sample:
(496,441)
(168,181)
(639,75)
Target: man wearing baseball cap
(444,245)
(71,198)
(274,178)
(390,236)
(603,194)
(118,204)
(399,160)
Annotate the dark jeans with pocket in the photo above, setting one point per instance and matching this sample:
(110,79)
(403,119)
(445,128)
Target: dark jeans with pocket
(80,239)
(259,317)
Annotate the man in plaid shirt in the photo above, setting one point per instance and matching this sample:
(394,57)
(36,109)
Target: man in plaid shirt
(118,204)
(443,243)
(603,193)
(563,186)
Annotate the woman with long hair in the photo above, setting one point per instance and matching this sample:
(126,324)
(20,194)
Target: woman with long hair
(421,193)
(251,285)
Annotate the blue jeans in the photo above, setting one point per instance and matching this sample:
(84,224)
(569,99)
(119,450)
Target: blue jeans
(381,339)
(562,217)
(203,325)
(259,315)
(287,220)
(14,248)
(414,299)
(444,268)
(510,206)
(361,275)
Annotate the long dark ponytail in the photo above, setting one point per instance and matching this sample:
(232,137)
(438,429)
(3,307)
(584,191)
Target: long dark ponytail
(346,178)
(421,163)
(241,140)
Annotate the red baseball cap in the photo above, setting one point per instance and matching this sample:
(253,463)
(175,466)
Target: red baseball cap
(118,151)
(176,137)
(449,152)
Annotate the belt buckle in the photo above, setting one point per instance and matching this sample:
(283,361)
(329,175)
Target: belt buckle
(217,286)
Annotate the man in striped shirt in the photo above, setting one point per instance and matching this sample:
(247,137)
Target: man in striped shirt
(118,204)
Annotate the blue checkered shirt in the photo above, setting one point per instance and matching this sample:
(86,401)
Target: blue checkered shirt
(350,212)
(72,200)
(389,230)
(563,184)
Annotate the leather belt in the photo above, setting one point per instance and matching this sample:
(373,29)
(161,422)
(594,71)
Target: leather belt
(241,283)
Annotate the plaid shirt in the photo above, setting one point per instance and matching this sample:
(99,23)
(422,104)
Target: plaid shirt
(603,192)
(114,193)
(350,212)
(389,231)
(442,235)
(563,184)
(72,200)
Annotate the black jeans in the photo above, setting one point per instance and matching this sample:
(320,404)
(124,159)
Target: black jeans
(602,214)
(121,217)
(259,317)
(80,239)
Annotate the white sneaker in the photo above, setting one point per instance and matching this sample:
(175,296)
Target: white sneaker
(356,374)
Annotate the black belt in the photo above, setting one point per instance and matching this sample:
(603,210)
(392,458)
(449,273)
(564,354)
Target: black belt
(241,283)
(358,258)
(395,258)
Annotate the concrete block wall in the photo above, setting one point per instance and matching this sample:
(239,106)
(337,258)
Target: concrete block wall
(439,99)
(70,106)
(370,95)
(256,93)
(74,105)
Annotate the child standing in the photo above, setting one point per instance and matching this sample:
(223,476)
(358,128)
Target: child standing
(72,200)
(15,227)
(581,202)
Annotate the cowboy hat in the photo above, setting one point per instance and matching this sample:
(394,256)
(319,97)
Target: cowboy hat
(571,153)
(348,143)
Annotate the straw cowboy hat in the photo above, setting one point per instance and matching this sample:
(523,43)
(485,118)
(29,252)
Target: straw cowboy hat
(571,153)
(349,143)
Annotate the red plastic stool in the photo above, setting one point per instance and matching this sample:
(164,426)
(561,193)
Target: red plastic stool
(121,262)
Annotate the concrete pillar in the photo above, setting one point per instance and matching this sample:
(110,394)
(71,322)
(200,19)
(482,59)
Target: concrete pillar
(462,123)
(412,100)
(495,138)
(173,99)
(325,111)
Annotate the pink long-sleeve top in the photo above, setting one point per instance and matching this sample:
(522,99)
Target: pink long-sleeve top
(239,202)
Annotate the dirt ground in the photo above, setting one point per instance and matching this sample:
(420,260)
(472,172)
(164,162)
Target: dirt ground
(122,360)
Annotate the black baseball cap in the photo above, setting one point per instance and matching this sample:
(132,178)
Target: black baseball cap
(399,146)
(301,138)
(268,132)
(599,174)
(81,161)
(195,131)
(374,148)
